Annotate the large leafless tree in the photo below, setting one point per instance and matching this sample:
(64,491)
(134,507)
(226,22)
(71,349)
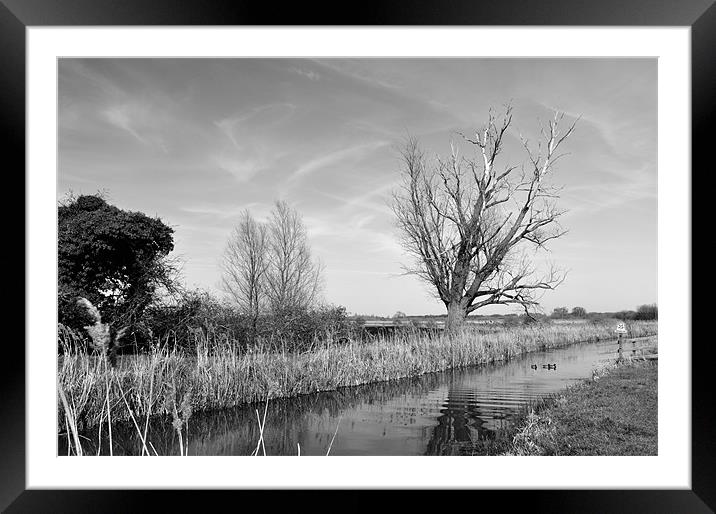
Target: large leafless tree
(469,221)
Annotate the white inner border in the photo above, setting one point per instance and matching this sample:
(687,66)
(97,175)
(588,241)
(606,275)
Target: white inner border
(671,469)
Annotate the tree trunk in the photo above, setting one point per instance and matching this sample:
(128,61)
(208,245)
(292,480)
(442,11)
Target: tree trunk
(457,313)
(254,328)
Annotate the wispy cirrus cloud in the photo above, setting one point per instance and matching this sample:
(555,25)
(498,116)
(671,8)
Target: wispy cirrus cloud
(242,169)
(197,141)
(134,120)
(349,69)
(119,117)
(592,199)
(310,74)
(225,212)
(251,149)
(254,119)
(353,233)
(332,158)
(375,199)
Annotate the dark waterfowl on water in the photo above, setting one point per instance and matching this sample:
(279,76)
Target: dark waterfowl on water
(533,366)
(549,366)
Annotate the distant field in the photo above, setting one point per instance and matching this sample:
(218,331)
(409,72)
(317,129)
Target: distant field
(439,322)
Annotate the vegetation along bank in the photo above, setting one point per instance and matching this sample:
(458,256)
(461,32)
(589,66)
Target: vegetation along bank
(170,382)
(614,413)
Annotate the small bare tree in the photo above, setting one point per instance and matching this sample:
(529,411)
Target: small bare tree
(245,266)
(293,278)
(268,266)
(468,223)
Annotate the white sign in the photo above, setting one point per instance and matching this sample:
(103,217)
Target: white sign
(621,328)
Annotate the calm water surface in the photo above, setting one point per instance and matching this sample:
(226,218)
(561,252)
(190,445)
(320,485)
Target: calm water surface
(433,414)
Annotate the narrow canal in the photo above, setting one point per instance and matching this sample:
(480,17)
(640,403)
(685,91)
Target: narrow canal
(450,412)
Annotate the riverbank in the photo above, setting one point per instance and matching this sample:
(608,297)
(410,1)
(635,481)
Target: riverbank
(614,413)
(216,377)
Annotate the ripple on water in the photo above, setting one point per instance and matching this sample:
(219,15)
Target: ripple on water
(423,415)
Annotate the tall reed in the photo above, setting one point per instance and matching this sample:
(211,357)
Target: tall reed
(219,374)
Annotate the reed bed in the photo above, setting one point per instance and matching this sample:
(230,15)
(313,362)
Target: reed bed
(218,375)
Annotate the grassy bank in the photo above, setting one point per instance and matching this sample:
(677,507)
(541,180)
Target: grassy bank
(218,376)
(615,413)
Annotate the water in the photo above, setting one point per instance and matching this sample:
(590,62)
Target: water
(451,412)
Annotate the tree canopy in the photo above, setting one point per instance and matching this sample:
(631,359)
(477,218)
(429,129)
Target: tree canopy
(579,312)
(112,257)
(560,313)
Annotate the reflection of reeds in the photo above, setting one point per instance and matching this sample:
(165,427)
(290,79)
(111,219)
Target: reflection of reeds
(262,425)
(338,424)
(220,376)
(236,431)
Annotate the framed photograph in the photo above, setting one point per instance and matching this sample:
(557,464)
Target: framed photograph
(415,249)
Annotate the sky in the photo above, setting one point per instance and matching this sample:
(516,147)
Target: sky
(197,141)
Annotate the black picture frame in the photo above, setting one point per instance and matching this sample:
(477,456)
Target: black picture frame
(17,15)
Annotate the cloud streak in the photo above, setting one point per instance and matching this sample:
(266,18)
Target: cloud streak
(129,118)
(197,141)
(333,158)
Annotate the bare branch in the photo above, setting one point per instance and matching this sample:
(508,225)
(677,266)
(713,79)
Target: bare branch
(463,221)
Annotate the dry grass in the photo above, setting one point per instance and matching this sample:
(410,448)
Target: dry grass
(615,413)
(169,383)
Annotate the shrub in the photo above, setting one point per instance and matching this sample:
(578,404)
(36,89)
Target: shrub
(179,324)
(647,312)
(113,258)
(199,315)
(301,328)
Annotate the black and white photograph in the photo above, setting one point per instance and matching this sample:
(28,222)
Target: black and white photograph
(411,246)
(359,256)
(407,248)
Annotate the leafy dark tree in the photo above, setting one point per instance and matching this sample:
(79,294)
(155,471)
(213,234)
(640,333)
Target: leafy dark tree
(647,312)
(114,258)
(579,312)
(625,315)
(560,313)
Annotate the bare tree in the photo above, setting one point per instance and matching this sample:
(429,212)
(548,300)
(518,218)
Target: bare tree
(245,266)
(293,278)
(268,267)
(468,221)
